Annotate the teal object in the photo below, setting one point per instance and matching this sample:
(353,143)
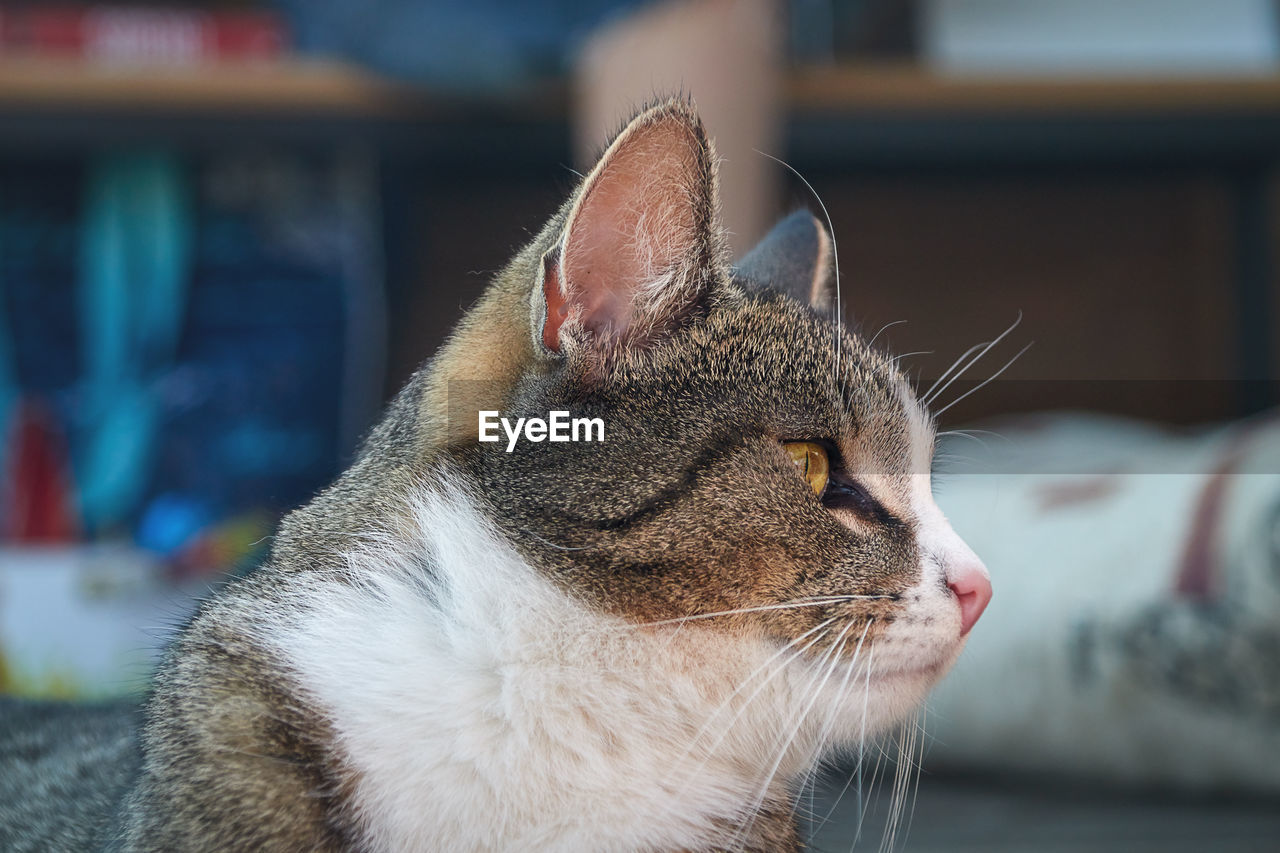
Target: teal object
(8,376)
(134,267)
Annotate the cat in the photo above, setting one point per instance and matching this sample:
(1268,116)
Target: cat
(638,643)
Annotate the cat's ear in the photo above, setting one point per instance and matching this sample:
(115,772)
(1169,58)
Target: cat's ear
(641,245)
(795,258)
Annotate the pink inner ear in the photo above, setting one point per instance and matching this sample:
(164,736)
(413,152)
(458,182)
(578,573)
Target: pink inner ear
(604,280)
(634,234)
(557,310)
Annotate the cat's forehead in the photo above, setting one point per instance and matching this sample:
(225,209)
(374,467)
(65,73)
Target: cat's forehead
(764,358)
(811,354)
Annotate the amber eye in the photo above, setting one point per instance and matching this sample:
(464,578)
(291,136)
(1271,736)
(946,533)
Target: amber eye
(811,458)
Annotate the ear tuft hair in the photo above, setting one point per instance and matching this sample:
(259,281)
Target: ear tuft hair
(642,243)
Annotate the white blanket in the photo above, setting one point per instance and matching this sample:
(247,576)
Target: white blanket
(1135,629)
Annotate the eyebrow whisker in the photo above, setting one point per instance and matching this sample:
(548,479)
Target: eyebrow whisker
(930,397)
(985,382)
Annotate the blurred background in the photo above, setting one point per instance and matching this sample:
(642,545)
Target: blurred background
(230,230)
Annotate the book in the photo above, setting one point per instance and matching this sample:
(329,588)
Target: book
(150,35)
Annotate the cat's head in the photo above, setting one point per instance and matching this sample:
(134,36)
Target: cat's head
(759,460)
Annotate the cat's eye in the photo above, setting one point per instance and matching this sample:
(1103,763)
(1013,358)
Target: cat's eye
(811,459)
(823,469)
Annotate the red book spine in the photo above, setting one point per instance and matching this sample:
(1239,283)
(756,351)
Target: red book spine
(137,34)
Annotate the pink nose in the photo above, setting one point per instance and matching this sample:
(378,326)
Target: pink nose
(973,591)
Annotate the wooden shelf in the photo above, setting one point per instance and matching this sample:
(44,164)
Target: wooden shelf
(338,89)
(869,115)
(910,88)
(331,88)
(65,104)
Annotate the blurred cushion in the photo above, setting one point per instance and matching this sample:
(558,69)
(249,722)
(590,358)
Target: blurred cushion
(1135,629)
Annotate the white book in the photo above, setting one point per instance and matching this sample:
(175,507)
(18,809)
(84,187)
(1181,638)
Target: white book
(1111,37)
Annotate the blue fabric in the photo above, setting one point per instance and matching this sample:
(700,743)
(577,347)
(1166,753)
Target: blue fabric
(8,378)
(185,325)
(465,45)
(134,266)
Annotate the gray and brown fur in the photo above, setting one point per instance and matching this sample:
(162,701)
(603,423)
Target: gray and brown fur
(690,506)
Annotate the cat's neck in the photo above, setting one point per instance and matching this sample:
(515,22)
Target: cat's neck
(454,674)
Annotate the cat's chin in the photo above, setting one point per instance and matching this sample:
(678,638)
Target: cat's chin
(927,675)
(870,705)
(903,688)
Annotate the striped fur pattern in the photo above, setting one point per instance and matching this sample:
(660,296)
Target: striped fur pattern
(637,644)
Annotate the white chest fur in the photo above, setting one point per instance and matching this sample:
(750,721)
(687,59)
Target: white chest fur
(482,708)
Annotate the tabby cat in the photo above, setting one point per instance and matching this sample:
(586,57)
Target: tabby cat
(640,643)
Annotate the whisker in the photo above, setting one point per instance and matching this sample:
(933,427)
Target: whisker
(962,434)
(970,351)
(752,813)
(915,793)
(807,602)
(843,695)
(898,358)
(911,780)
(908,766)
(985,382)
(862,740)
(929,398)
(829,662)
(862,743)
(973,435)
(876,785)
(714,715)
(976,432)
(835,250)
(890,826)
(882,328)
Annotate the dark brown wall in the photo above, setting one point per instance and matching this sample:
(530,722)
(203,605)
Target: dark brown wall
(1124,282)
